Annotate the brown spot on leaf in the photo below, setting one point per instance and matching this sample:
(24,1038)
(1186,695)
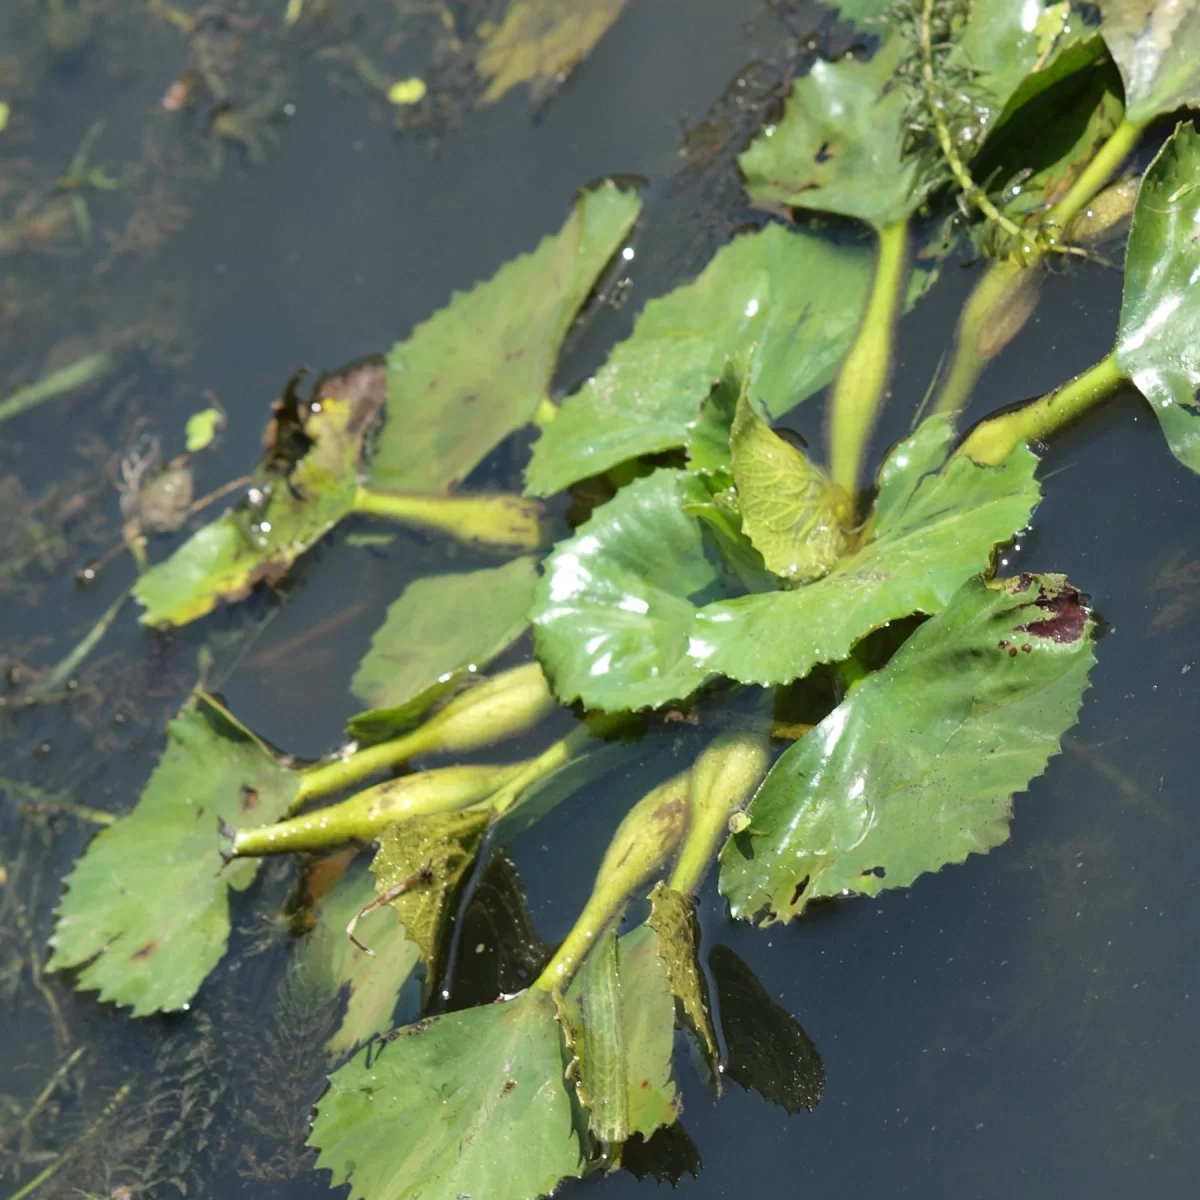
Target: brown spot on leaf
(249,798)
(1066,616)
(145,951)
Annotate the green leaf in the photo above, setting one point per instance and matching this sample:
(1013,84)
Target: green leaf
(441,628)
(1158,341)
(470,1103)
(838,146)
(917,767)
(619,1019)
(1154,44)
(202,427)
(673,918)
(756,294)
(795,517)
(257,542)
(477,370)
(419,870)
(146,910)
(619,621)
(372,981)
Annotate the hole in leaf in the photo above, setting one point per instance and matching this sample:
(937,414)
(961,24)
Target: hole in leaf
(798,891)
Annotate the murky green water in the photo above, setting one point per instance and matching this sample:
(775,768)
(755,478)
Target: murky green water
(1023,1025)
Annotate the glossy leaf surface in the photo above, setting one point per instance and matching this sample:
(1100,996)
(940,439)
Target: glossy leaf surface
(1154,42)
(917,767)
(471,1103)
(1158,343)
(476,371)
(755,294)
(146,911)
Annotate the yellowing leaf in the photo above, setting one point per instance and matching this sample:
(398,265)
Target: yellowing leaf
(407,91)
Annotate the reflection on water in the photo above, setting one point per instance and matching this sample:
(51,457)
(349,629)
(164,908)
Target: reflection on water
(1020,1025)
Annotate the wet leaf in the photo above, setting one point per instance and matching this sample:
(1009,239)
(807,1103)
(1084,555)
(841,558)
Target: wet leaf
(1154,44)
(295,501)
(1158,342)
(668,1155)
(756,294)
(838,146)
(441,627)
(540,42)
(420,867)
(673,918)
(767,1049)
(373,983)
(146,910)
(794,516)
(917,767)
(619,1019)
(623,617)
(477,370)
(471,1103)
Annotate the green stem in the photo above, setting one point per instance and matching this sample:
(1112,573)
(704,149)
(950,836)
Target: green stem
(489,519)
(66,667)
(990,443)
(1097,173)
(643,843)
(68,379)
(558,754)
(863,379)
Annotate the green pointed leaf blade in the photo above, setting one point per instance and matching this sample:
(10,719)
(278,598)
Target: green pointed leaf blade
(838,146)
(428,856)
(917,767)
(225,560)
(442,625)
(477,370)
(791,512)
(470,1103)
(146,910)
(1158,341)
(755,293)
(372,981)
(673,918)
(1154,44)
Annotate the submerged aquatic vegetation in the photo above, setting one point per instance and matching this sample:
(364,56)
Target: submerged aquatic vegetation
(725,556)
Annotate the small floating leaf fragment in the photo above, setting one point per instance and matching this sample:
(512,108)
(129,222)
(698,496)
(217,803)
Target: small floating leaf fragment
(407,91)
(202,427)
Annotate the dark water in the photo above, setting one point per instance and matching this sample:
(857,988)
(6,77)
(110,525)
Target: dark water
(1021,1025)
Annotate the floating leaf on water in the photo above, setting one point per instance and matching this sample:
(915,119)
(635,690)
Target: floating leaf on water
(306,483)
(623,617)
(146,910)
(471,1103)
(767,1049)
(795,517)
(1158,341)
(443,625)
(540,42)
(619,1019)
(756,293)
(1154,43)
(917,767)
(477,370)
(202,427)
(407,91)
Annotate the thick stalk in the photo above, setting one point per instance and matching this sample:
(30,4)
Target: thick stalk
(991,442)
(1098,172)
(366,814)
(863,379)
(492,519)
(643,843)
(510,703)
(556,755)
(722,781)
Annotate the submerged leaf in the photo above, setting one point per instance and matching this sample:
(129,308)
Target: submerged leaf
(539,42)
(1158,342)
(838,146)
(477,370)
(1154,42)
(441,626)
(619,1018)
(795,517)
(471,1103)
(292,504)
(620,623)
(419,869)
(146,911)
(756,293)
(917,767)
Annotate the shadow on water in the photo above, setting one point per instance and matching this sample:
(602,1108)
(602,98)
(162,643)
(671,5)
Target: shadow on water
(1022,1025)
